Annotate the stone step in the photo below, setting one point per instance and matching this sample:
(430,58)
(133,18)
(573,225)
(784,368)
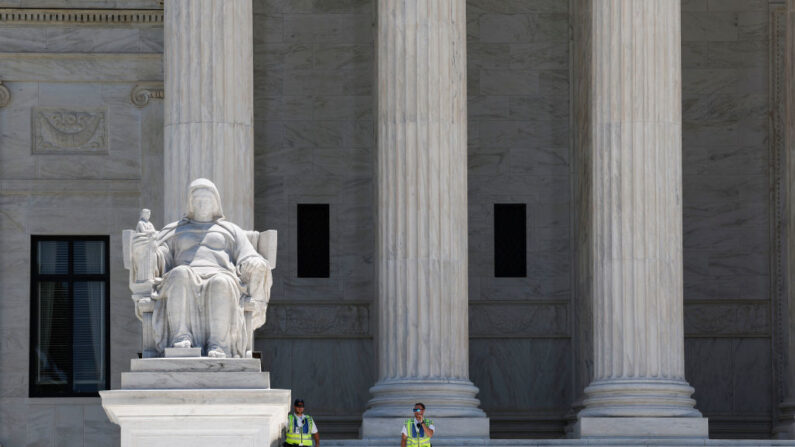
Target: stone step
(182,380)
(603,442)
(183,352)
(190,364)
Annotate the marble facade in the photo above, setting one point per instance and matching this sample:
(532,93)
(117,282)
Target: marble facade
(315,142)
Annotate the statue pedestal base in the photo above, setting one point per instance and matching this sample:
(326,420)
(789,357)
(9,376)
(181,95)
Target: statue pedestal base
(197,402)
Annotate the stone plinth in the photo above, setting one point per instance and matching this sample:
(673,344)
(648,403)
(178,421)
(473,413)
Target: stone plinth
(197,402)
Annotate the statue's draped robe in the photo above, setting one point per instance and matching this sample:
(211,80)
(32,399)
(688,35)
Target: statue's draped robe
(201,268)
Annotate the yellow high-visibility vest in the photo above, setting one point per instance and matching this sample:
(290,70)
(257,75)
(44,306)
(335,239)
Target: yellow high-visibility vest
(417,438)
(299,435)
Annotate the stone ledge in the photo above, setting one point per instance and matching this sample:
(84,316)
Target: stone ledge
(617,442)
(470,427)
(641,427)
(203,364)
(180,380)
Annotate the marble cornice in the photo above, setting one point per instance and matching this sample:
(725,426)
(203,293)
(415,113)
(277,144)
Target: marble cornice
(106,17)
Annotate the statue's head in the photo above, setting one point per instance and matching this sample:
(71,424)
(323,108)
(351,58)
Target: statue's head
(145,214)
(204,201)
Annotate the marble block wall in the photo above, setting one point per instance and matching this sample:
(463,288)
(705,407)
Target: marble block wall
(727,292)
(314,143)
(50,187)
(518,104)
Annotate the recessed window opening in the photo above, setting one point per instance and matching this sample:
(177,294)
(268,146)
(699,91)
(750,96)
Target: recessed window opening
(510,240)
(313,240)
(69,332)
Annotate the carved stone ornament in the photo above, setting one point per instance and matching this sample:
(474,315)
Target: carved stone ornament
(114,17)
(59,130)
(5,95)
(142,93)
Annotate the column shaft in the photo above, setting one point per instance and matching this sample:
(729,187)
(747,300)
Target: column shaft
(209,104)
(423,340)
(785,427)
(629,152)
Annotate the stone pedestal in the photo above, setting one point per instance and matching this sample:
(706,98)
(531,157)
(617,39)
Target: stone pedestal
(421,242)
(629,218)
(197,402)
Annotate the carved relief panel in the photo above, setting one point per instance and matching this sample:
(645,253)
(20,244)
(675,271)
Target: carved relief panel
(58,130)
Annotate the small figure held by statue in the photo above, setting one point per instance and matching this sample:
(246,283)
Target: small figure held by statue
(144,226)
(202,281)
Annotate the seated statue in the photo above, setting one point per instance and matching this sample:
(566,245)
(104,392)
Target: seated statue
(209,286)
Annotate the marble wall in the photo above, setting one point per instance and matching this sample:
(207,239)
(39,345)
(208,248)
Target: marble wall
(728,307)
(520,328)
(314,143)
(53,184)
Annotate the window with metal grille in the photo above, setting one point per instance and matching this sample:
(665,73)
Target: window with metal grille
(69,314)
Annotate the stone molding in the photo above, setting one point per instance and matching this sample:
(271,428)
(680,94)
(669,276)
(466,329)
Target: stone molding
(81,67)
(519,319)
(317,320)
(112,17)
(59,130)
(141,94)
(5,95)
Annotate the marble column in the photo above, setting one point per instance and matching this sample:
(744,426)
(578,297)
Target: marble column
(785,427)
(421,240)
(628,147)
(209,104)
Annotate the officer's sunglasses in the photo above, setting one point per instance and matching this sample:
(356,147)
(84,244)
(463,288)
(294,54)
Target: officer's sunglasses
(417,410)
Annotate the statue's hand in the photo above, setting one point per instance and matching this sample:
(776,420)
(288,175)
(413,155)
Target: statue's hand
(253,266)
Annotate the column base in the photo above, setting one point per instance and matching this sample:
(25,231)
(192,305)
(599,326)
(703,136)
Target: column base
(785,426)
(631,398)
(641,427)
(451,405)
(640,408)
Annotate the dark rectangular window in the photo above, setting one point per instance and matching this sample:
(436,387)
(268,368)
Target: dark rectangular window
(510,240)
(69,315)
(313,240)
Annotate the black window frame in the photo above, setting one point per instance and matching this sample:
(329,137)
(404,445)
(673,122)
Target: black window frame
(35,390)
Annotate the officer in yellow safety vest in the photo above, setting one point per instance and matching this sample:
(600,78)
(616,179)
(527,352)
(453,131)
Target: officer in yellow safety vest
(300,428)
(417,432)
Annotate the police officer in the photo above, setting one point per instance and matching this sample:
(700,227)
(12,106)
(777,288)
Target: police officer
(300,428)
(417,432)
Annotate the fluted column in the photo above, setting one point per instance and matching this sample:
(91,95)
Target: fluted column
(785,427)
(421,241)
(628,149)
(209,104)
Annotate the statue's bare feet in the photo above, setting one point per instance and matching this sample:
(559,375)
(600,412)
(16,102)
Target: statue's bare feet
(182,344)
(216,353)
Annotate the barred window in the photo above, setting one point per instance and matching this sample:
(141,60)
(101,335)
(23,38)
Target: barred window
(69,338)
